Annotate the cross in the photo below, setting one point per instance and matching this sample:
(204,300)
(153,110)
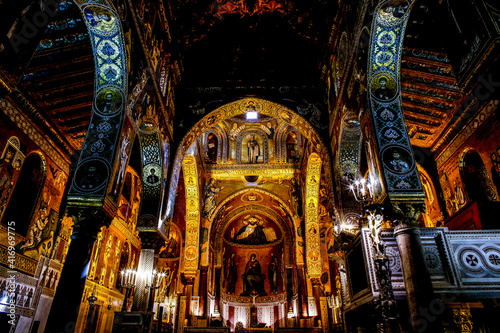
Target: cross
(430,258)
(494,259)
(471,260)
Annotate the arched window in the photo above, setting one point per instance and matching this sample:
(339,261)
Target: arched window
(212,146)
(477,182)
(26,193)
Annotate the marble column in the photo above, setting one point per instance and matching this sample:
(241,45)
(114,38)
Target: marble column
(318,294)
(418,285)
(188,282)
(203,292)
(145,267)
(217,290)
(68,296)
(289,290)
(302,293)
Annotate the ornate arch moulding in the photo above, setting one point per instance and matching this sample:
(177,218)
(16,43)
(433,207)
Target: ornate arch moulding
(394,148)
(313,254)
(95,166)
(192,246)
(286,171)
(230,110)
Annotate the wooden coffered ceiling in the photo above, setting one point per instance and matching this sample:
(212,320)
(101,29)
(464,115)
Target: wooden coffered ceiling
(429,88)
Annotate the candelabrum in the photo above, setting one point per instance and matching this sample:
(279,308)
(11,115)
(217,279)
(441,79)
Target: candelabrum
(153,282)
(170,304)
(385,303)
(333,301)
(92,298)
(128,282)
(362,190)
(373,217)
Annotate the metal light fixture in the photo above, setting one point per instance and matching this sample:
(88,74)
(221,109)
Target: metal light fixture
(153,282)
(92,298)
(362,190)
(127,281)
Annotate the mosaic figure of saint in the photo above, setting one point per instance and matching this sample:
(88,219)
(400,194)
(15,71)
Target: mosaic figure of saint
(253,150)
(251,233)
(152,178)
(397,164)
(35,232)
(253,279)
(383,92)
(273,274)
(209,203)
(6,173)
(123,156)
(296,198)
(231,273)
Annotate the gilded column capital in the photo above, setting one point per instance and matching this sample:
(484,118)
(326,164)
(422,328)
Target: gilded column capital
(316,282)
(187,279)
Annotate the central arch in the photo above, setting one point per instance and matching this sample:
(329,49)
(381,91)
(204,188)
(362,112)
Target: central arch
(230,110)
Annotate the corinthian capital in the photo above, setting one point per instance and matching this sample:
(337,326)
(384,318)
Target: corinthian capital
(406,214)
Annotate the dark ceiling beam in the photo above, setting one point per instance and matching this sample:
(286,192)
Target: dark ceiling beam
(431,123)
(430,91)
(65,89)
(71,65)
(70,98)
(84,105)
(428,99)
(83,73)
(77,129)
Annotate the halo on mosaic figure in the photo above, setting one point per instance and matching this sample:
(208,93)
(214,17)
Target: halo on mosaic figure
(384,87)
(108,101)
(100,20)
(91,175)
(394,11)
(397,159)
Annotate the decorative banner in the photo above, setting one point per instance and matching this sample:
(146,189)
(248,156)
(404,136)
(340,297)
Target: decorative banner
(395,151)
(313,254)
(98,152)
(192,215)
(152,180)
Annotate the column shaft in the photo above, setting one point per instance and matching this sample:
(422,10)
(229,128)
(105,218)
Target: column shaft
(418,285)
(68,296)
(141,293)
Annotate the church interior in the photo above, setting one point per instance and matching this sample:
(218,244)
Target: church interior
(252,166)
